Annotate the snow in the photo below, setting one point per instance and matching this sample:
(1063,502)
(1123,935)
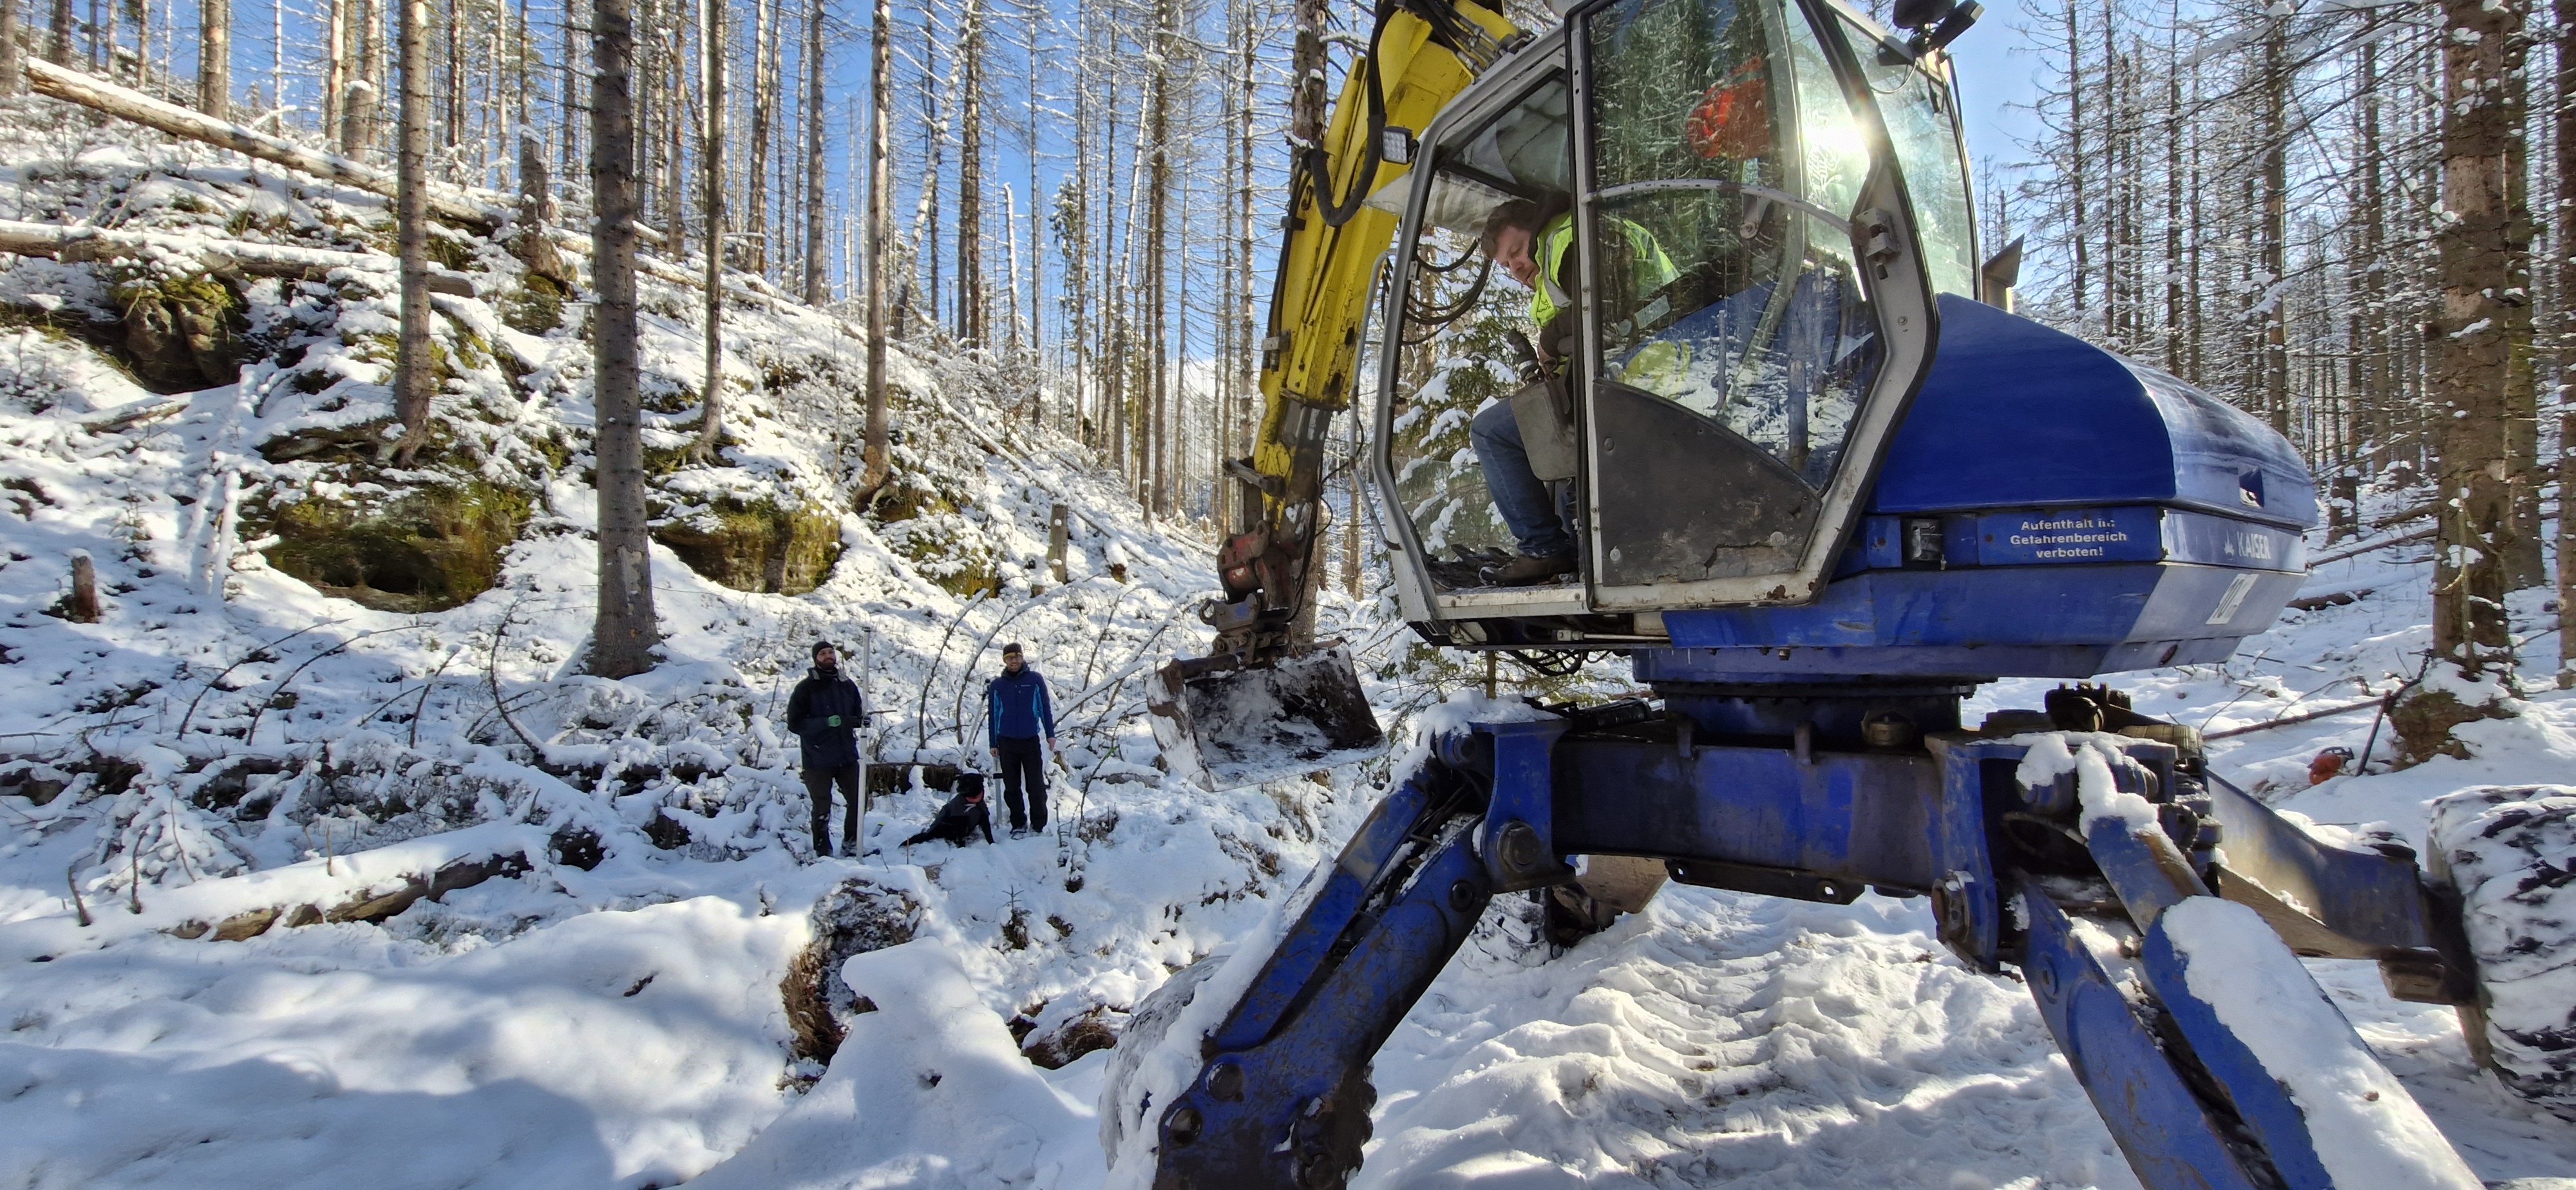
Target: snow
(323,1057)
(933,1077)
(622,1025)
(2369,1134)
(2093,757)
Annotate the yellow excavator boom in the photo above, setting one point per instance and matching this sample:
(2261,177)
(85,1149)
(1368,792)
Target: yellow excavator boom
(1422,54)
(1267,702)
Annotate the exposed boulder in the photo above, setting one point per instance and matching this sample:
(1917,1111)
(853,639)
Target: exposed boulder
(756,545)
(421,549)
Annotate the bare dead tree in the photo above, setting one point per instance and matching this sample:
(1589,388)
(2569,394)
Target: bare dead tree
(711,196)
(415,374)
(214,57)
(625,630)
(818,289)
(875,461)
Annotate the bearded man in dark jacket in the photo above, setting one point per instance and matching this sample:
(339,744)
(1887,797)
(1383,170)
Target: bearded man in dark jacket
(825,713)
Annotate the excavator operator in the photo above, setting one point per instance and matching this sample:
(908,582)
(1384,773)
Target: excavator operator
(1529,239)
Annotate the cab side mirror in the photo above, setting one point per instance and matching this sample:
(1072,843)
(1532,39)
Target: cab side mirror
(2001,272)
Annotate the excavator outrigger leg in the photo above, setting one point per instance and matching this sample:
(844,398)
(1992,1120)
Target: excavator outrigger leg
(2211,1054)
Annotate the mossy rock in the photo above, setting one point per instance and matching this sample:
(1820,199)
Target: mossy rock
(453,253)
(947,550)
(183,333)
(909,494)
(535,307)
(425,549)
(757,545)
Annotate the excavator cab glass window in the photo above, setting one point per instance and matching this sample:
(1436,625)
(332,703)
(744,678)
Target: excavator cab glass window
(1464,318)
(1922,122)
(1734,338)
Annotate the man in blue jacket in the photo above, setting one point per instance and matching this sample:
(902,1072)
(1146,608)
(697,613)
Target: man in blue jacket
(1017,711)
(825,713)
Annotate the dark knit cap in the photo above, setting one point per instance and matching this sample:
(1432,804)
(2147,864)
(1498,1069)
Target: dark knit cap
(1011,650)
(821,645)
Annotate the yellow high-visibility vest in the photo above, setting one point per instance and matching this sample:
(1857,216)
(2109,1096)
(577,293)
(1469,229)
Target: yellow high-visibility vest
(1558,236)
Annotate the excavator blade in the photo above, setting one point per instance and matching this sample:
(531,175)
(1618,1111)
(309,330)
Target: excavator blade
(1223,724)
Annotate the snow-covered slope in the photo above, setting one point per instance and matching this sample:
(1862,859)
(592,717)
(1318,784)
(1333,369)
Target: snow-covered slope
(229,799)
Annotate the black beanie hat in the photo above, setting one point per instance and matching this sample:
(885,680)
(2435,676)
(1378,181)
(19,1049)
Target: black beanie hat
(1011,650)
(821,645)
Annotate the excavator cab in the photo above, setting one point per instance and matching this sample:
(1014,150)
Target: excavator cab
(1758,202)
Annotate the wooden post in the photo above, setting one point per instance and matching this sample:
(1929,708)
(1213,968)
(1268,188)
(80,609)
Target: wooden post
(84,598)
(1059,530)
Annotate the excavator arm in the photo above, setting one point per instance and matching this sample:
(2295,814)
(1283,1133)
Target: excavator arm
(1421,54)
(1265,702)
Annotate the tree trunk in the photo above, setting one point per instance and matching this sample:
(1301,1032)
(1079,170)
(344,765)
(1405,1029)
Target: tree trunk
(1158,200)
(125,104)
(755,206)
(711,193)
(874,462)
(2276,226)
(971,331)
(454,122)
(58,41)
(1247,382)
(358,106)
(626,630)
(675,137)
(1034,299)
(2563,240)
(818,288)
(2381,372)
(2471,362)
(2076,173)
(415,374)
(214,57)
(335,67)
(13,75)
(2523,565)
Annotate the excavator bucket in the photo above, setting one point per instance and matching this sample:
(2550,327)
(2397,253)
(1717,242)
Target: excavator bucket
(1224,724)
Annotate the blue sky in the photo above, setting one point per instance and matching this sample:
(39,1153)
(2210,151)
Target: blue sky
(1996,83)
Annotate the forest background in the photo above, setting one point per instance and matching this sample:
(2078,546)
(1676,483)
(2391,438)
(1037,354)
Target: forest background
(2338,215)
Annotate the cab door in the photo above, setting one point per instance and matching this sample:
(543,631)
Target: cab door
(1754,313)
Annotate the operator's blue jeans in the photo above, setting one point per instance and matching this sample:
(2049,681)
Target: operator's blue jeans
(1523,500)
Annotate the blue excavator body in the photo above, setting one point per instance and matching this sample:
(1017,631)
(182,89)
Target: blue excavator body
(2047,509)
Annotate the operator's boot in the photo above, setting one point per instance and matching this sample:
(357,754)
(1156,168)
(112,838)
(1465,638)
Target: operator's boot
(1524,570)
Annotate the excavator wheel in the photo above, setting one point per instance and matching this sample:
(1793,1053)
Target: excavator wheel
(2509,852)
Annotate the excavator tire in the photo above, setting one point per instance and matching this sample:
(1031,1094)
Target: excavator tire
(2510,854)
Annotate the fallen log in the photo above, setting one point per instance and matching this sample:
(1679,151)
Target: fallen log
(239,256)
(2309,603)
(2359,550)
(372,905)
(72,86)
(2289,720)
(486,209)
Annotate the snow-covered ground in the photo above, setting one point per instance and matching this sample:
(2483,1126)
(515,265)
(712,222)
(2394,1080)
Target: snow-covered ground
(614,1006)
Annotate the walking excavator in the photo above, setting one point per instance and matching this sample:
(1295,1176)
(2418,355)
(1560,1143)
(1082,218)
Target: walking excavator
(1821,484)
